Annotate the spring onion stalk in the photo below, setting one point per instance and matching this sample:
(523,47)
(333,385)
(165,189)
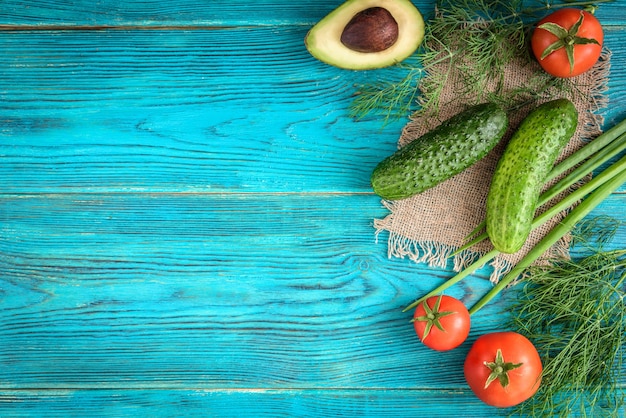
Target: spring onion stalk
(600,182)
(588,150)
(561,229)
(452,281)
(595,161)
(612,171)
(606,146)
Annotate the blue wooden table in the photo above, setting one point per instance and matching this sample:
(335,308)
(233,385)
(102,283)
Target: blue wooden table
(186,220)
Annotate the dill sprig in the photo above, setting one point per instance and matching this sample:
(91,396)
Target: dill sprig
(473,40)
(596,233)
(394,99)
(574,311)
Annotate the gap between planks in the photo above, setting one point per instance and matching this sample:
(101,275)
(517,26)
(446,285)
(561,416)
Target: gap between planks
(451,390)
(78,28)
(181,193)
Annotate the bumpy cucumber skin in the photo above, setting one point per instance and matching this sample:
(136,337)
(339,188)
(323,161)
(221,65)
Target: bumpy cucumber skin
(441,153)
(522,169)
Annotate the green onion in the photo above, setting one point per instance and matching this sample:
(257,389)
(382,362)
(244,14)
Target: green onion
(462,274)
(605,147)
(588,150)
(610,179)
(562,228)
(595,161)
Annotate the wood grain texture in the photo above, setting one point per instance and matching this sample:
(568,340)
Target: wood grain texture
(254,403)
(199,111)
(215,291)
(207,291)
(230,110)
(186,221)
(147,13)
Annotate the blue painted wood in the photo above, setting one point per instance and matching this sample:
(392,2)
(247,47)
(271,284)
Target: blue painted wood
(237,403)
(197,111)
(215,291)
(186,221)
(213,111)
(150,13)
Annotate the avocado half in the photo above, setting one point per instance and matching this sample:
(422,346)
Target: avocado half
(367,34)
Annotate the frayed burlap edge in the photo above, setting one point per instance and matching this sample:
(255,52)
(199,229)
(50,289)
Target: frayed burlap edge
(430,227)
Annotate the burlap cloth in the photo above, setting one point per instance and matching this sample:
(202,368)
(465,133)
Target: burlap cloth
(430,227)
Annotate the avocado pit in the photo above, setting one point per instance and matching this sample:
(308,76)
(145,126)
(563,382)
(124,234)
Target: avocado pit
(371,30)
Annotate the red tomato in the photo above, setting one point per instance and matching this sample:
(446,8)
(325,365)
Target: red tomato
(503,369)
(567,42)
(441,322)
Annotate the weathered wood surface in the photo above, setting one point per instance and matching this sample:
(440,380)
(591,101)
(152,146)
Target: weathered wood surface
(186,221)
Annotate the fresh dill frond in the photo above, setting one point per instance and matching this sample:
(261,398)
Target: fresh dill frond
(596,232)
(574,311)
(537,87)
(392,99)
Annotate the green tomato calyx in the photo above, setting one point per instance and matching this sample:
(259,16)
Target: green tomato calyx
(433,316)
(566,39)
(500,370)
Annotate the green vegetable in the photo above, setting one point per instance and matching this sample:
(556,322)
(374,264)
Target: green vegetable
(441,153)
(562,228)
(610,179)
(595,151)
(574,311)
(609,138)
(522,170)
(588,158)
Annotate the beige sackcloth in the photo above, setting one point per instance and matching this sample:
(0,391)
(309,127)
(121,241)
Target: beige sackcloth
(430,227)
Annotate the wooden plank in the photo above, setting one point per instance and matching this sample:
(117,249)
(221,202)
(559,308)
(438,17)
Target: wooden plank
(240,403)
(232,110)
(154,13)
(243,110)
(193,13)
(216,291)
(205,291)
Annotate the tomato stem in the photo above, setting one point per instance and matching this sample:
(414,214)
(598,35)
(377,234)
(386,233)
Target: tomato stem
(433,316)
(500,370)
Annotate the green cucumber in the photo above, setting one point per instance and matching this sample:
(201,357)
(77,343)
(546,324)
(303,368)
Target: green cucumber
(522,170)
(450,148)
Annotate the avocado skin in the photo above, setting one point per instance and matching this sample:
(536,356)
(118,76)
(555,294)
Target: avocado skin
(323,40)
(522,170)
(441,153)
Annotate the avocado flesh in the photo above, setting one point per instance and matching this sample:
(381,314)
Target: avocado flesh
(324,39)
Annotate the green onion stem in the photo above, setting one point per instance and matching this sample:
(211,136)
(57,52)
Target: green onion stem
(608,176)
(457,278)
(566,225)
(588,150)
(602,156)
(595,161)
(611,172)
(597,152)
